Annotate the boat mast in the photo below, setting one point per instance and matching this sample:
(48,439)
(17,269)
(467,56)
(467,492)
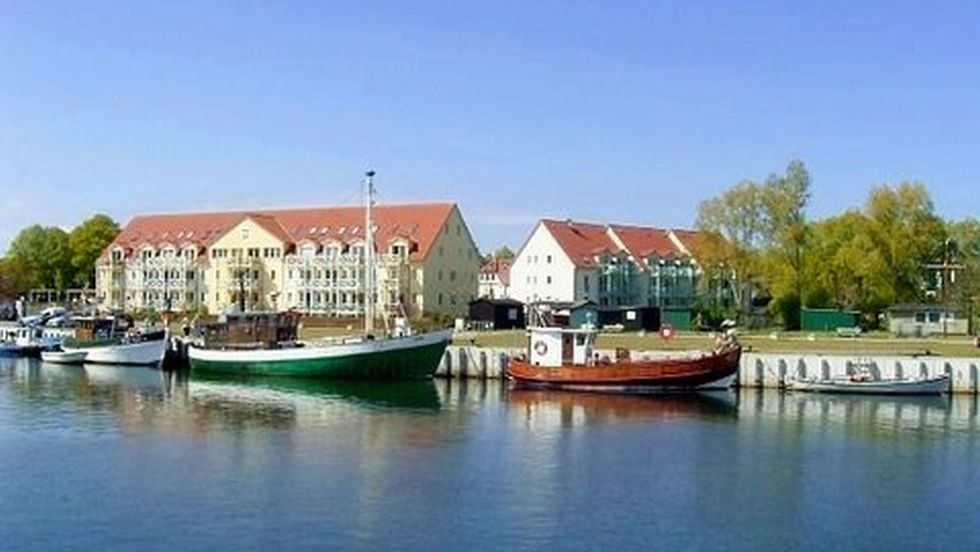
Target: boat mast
(369,268)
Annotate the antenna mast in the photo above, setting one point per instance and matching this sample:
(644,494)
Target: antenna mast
(370,272)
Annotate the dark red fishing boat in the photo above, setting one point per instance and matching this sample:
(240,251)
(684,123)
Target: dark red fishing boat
(566,359)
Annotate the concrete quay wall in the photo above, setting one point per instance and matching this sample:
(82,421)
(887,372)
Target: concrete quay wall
(759,370)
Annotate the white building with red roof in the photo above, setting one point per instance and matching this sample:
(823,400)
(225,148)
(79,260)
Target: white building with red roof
(495,279)
(568,261)
(306,259)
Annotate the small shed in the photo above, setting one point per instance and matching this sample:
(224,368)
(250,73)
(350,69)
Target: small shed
(635,319)
(496,314)
(678,318)
(827,320)
(921,320)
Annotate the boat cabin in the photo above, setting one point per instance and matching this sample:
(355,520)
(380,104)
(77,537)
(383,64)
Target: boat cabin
(555,347)
(250,330)
(93,328)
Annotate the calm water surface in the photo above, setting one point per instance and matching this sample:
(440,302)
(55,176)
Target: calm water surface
(100,458)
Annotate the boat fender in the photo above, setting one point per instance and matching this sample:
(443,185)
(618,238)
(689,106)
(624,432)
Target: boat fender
(541,348)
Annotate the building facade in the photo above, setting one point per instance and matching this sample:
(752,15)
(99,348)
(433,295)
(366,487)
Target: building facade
(609,264)
(311,260)
(495,279)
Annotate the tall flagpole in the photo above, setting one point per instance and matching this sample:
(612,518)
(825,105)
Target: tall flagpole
(370,274)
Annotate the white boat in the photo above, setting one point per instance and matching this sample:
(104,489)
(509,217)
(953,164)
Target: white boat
(143,353)
(64,357)
(904,386)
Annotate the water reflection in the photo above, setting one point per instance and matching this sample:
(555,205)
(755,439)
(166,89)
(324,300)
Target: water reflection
(411,395)
(879,417)
(139,399)
(569,409)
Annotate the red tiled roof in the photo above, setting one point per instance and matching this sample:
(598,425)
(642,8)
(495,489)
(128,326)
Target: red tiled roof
(417,223)
(692,240)
(500,267)
(581,241)
(644,241)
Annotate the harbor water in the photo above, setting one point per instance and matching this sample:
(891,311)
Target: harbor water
(111,458)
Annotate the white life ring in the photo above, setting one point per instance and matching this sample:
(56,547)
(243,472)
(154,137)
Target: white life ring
(541,348)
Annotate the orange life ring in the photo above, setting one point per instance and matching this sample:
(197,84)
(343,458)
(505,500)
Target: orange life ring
(541,348)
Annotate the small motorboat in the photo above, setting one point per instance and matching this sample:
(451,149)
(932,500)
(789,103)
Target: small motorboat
(862,383)
(64,357)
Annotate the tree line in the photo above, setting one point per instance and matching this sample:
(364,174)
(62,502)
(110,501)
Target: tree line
(761,247)
(49,257)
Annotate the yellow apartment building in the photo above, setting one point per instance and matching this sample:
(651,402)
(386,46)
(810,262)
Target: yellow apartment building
(310,260)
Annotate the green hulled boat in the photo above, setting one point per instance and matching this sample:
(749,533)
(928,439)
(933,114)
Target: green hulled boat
(409,357)
(265,343)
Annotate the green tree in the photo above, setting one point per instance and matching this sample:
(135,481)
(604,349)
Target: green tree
(504,253)
(844,268)
(87,241)
(784,198)
(965,290)
(12,279)
(42,256)
(734,226)
(907,234)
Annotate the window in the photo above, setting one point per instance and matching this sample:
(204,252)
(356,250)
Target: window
(452,275)
(585,283)
(920,318)
(272,275)
(548,279)
(548,259)
(245,233)
(253,253)
(933,317)
(439,298)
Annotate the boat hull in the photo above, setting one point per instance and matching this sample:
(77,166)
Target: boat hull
(62,357)
(145,353)
(657,376)
(926,386)
(415,357)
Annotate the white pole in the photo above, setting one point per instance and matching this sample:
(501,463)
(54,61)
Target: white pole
(369,268)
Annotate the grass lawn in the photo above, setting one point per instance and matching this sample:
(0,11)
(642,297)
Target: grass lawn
(790,342)
(782,342)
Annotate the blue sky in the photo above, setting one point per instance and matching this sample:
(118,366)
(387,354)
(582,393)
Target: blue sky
(625,111)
